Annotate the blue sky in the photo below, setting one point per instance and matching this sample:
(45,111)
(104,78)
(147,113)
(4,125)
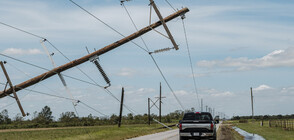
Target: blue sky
(234,45)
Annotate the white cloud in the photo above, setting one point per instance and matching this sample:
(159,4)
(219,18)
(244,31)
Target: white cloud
(277,58)
(262,87)
(181,92)
(141,91)
(14,51)
(126,72)
(223,94)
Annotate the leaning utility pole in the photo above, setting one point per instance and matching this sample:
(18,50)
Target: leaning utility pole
(164,24)
(252,103)
(121,106)
(91,55)
(13,89)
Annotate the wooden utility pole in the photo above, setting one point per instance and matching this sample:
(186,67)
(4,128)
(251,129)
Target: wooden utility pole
(164,24)
(91,55)
(206,108)
(201,105)
(12,87)
(160,103)
(252,103)
(149,119)
(121,106)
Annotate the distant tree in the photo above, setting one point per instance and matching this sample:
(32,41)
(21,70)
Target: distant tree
(18,118)
(45,116)
(67,117)
(130,116)
(114,119)
(279,116)
(4,118)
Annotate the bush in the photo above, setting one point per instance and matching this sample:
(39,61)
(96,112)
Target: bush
(243,121)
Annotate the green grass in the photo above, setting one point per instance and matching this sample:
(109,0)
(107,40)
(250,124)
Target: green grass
(269,133)
(86,133)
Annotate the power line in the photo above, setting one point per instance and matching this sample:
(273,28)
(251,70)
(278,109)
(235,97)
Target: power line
(170,5)
(134,25)
(22,30)
(105,24)
(167,82)
(189,54)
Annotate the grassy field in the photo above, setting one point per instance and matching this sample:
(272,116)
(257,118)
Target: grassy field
(85,133)
(269,133)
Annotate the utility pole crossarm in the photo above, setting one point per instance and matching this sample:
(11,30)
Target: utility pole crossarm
(87,57)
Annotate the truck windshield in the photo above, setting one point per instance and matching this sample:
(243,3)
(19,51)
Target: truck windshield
(197,116)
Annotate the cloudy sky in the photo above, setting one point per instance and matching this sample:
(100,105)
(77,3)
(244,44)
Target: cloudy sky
(234,45)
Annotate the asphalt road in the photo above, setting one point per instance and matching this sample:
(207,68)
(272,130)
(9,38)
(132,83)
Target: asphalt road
(167,135)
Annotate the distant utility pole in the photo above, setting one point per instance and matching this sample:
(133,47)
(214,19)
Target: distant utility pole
(149,111)
(252,103)
(213,112)
(201,105)
(206,108)
(160,102)
(121,106)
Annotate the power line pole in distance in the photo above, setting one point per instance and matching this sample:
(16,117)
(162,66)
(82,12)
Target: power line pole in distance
(121,106)
(252,103)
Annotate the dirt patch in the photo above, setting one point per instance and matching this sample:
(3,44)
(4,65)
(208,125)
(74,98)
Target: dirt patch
(226,132)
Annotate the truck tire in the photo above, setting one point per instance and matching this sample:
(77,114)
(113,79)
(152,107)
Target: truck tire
(182,138)
(214,137)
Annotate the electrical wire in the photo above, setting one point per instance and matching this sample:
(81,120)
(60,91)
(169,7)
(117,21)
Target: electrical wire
(170,5)
(134,25)
(167,83)
(106,24)
(22,30)
(190,60)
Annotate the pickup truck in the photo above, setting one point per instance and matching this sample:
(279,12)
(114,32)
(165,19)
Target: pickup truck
(197,125)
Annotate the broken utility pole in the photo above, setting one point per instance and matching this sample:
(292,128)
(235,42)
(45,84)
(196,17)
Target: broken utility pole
(121,106)
(164,24)
(12,87)
(91,55)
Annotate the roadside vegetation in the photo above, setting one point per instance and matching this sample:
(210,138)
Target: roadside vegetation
(83,133)
(269,132)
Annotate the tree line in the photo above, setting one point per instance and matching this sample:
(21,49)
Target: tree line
(44,118)
(265,117)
